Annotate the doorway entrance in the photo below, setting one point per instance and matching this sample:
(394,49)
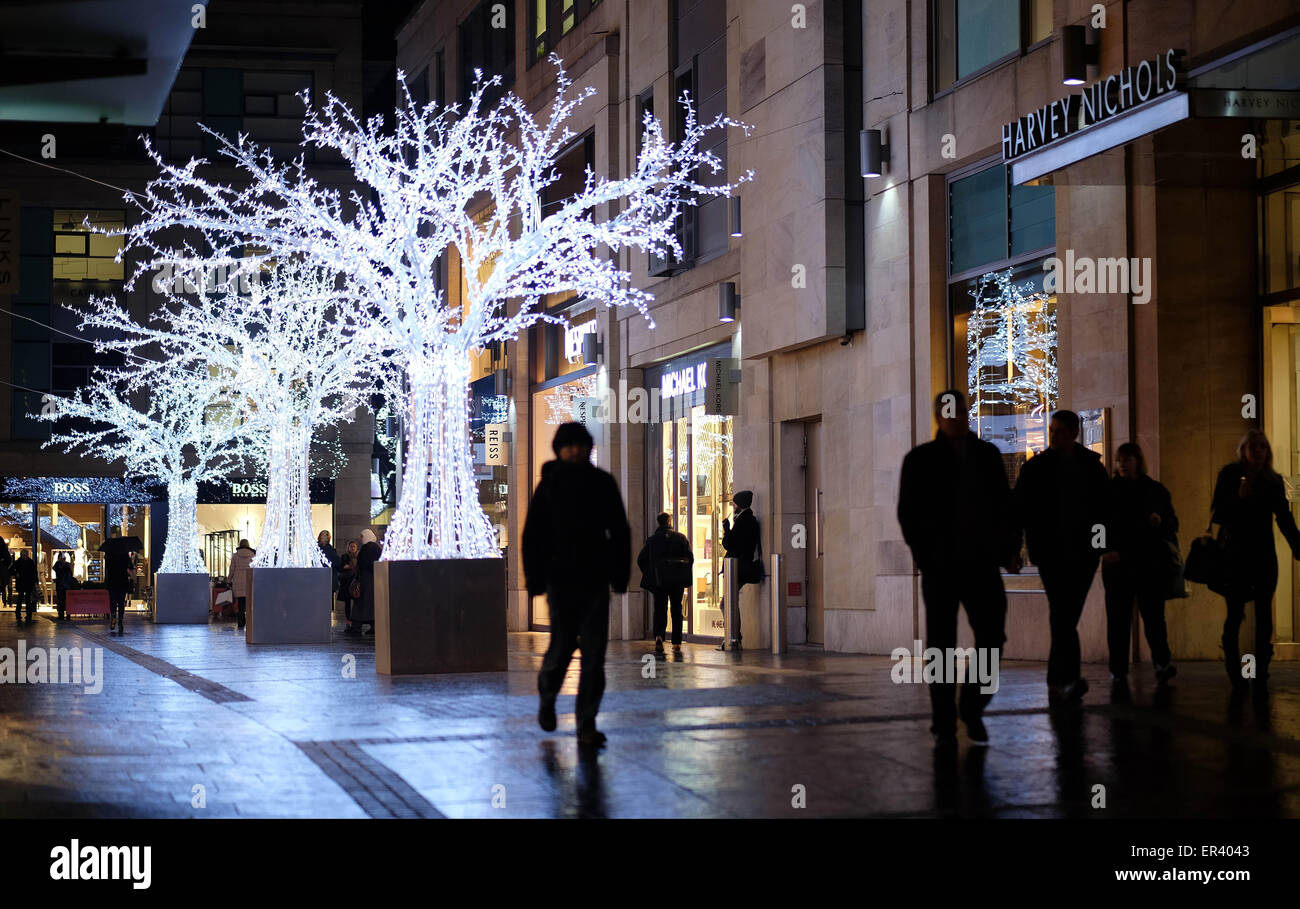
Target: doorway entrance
(815,520)
(1282,424)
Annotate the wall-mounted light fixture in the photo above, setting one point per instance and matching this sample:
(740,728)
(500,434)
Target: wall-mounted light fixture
(593,349)
(874,151)
(502,381)
(728,301)
(735,217)
(1078,53)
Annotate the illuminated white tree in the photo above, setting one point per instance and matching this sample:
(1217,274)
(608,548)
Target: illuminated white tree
(471,180)
(297,359)
(1011,346)
(171,436)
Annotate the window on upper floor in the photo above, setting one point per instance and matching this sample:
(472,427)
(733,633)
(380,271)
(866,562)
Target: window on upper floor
(487,43)
(970,35)
(551,20)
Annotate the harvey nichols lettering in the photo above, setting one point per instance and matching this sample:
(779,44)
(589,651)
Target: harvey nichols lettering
(1100,101)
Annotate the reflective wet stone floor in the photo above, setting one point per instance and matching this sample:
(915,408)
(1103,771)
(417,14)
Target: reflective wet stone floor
(192,722)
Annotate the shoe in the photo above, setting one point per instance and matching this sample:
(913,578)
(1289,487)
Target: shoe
(659,646)
(370,629)
(1075,691)
(591,737)
(721,647)
(546,716)
(677,649)
(975,730)
(1166,672)
(239,625)
(351,629)
(735,645)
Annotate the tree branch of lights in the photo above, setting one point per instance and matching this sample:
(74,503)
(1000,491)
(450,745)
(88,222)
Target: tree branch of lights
(298,361)
(1010,346)
(471,180)
(169,439)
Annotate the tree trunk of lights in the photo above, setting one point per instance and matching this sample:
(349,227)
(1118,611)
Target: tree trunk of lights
(288,540)
(181,552)
(438,515)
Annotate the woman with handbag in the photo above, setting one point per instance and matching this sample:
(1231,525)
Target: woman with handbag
(1136,564)
(666,561)
(349,584)
(1248,495)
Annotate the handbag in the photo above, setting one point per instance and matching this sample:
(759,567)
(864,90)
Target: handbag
(354,589)
(1206,561)
(1176,583)
(755,572)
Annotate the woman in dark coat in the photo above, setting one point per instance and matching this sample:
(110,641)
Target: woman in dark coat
(363,612)
(347,573)
(1248,496)
(1136,565)
(665,544)
(332,556)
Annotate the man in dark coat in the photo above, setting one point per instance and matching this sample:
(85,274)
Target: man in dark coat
(576,547)
(665,553)
(363,611)
(62,569)
(24,572)
(119,575)
(6,564)
(740,541)
(954,505)
(1061,500)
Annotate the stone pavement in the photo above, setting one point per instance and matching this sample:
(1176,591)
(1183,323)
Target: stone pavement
(282,732)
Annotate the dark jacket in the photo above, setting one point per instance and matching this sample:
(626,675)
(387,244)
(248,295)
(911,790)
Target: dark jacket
(955,509)
(347,571)
(62,574)
(1129,532)
(332,556)
(1059,500)
(740,540)
(119,571)
(364,610)
(664,543)
(24,572)
(1248,521)
(576,536)
(6,560)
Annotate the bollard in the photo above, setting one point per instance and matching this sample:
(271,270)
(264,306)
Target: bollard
(731,602)
(779,632)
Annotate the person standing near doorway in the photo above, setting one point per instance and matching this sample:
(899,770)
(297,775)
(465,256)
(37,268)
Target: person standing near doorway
(363,610)
(62,570)
(24,572)
(741,540)
(241,578)
(348,575)
(665,562)
(119,577)
(6,568)
(332,557)
(576,547)
(954,506)
(1248,496)
(1061,501)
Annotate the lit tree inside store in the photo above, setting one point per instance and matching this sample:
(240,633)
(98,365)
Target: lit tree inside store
(469,180)
(158,418)
(297,360)
(1011,347)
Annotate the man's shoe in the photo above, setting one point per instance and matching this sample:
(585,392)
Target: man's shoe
(722,647)
(677,649)
(1075,691)
(591,738)
(370,629)
(659,646)
(975,730)
(1166,672)
(546,716)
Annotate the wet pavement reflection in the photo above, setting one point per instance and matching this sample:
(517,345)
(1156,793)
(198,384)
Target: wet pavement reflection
(191,721)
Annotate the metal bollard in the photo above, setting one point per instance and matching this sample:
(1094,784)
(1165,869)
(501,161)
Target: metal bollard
(779,631)
(731,603)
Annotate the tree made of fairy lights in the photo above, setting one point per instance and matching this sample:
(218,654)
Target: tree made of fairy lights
(421,187)
(155,417)
(296,355)
(1010,346)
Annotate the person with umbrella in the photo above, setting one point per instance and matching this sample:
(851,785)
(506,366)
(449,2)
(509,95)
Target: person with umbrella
(119,573)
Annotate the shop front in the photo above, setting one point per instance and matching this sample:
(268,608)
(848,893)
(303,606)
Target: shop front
(71,516)
(234,509)
(689,464)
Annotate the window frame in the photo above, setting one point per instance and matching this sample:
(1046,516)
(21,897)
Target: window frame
(554,32)
(1025,46)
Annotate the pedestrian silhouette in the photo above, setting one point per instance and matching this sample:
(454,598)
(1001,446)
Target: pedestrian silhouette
(954,505)
(63,579)
(24,572)
(1061,502)
(741,541)
(666,562)
(1248,495)
(576,547)
(1136,564)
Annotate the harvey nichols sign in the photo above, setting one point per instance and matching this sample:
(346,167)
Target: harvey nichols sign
(1104,99)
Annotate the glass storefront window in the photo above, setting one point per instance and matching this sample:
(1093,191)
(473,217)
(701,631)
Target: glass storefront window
(1280,268)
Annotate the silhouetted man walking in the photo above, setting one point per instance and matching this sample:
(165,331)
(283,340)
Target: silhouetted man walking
(24,570)
(577,545)
(955,508)
(1061,499)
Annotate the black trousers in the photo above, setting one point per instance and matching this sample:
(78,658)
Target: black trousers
(241,607)
(1263,599)
(579,619)
(1128,580)
(661,601)
(61,600)
(978,588)
(1066,584)
(27,597)
(117,604)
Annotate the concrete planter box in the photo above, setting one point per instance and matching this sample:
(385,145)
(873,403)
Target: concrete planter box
(440,615)
(182,599)
(289,606)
